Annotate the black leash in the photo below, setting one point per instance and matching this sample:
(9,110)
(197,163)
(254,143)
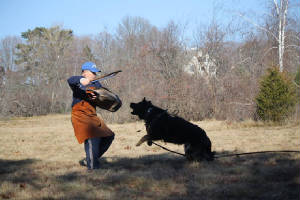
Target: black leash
(257,152)
(168,149)
(230,155)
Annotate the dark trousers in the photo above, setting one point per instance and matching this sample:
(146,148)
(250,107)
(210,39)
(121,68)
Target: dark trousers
(95,148)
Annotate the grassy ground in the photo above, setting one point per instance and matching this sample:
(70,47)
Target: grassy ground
(39,160)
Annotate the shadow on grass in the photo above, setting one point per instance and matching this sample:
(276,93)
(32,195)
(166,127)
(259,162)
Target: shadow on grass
(162,177)
(8,167)
(17,172)
(167,176)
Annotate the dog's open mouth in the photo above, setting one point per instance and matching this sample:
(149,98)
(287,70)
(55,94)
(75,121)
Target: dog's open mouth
(133,113)
(132,106)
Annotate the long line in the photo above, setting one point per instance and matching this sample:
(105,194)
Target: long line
(169,149)
(230,155)
(257,152)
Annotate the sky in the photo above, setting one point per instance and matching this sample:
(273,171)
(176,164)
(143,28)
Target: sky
(89,17)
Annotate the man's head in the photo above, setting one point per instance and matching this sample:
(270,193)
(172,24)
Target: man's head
(89,70)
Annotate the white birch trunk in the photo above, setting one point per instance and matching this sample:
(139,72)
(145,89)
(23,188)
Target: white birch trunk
(281,14)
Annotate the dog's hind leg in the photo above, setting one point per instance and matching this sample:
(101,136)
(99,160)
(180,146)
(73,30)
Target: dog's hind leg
(143,139)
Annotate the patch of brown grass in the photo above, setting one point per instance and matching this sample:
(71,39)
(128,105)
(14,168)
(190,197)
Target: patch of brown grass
(39,160)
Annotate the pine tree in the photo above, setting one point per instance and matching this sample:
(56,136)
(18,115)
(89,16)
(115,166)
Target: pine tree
(297,83)
(297,77)
(277,96)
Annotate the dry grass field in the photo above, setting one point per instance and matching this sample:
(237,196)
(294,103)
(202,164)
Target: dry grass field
(39,160)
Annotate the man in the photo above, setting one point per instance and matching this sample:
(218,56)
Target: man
(88,127)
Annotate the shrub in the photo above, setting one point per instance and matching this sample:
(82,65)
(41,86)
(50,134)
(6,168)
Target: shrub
(297,77)
(297,83)
(277,96)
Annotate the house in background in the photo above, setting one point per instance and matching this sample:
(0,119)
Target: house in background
(200,64)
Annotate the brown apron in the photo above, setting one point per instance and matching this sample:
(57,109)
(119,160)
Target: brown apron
(87,124)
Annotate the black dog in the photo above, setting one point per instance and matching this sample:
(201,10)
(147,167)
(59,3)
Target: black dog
(160,125)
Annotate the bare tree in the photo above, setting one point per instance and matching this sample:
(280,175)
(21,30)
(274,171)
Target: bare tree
(281,12)
(8,52)
(281,8)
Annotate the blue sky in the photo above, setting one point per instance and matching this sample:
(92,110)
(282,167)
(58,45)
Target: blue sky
(89,17)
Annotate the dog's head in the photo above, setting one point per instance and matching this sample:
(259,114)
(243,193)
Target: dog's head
(140,108)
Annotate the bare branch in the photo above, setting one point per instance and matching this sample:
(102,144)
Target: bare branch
(258,26)
(239,103)
(295,36)
(296,84)
(277,8)
(268,51)
(295,46)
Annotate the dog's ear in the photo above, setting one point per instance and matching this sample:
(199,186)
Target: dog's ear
(144,99)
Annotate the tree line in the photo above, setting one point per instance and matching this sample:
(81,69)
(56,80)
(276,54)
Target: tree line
(34,67)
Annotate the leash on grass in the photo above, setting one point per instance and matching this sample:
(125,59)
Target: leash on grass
(256,152)
(230,155)
(168,149)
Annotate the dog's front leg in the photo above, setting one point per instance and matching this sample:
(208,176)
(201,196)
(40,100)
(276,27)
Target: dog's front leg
(143,139)
(149,142)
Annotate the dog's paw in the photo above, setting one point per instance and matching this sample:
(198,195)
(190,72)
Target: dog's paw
(142,140)
(138,144)
(149,142)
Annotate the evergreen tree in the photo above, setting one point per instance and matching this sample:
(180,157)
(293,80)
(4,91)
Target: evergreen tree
(297,78)
(42,53)
(42,57)
(277,96)
(297,83)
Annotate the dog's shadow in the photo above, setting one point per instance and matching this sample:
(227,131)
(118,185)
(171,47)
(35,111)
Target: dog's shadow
(163,160)
(142,162)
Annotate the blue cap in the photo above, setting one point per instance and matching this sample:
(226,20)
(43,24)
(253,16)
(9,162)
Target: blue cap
(90,66)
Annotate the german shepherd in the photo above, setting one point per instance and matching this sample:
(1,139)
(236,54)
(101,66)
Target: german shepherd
(161,125)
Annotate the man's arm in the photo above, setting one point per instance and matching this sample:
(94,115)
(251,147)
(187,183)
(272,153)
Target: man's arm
(74,82)
(98,84)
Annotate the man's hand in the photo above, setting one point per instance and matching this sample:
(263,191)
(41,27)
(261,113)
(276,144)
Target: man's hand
(92,96)
(85,81)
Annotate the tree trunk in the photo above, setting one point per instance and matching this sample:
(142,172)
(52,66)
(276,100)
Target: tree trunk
(281,14)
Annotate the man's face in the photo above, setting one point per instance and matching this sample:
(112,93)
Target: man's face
(88,74)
